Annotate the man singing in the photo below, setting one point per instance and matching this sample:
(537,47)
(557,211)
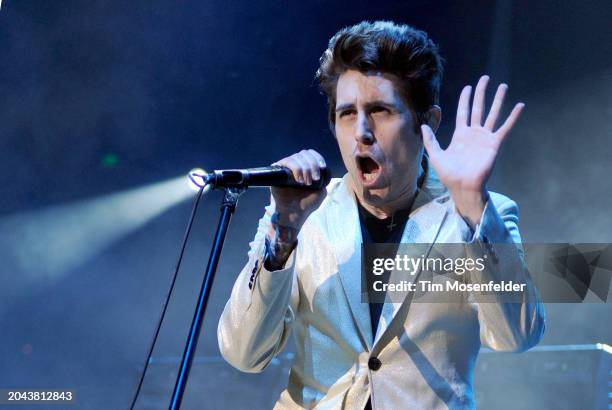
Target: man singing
(303,275)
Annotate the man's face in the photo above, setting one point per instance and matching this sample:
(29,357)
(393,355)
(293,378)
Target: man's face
(376,134)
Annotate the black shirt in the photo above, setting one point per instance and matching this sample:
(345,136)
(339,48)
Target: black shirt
(375,230)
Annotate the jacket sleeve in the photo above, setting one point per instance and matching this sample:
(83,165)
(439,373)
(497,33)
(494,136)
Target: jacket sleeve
(509,325)
(257,318)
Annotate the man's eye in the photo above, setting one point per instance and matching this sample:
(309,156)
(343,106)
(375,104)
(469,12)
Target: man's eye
(347,113)
(377,110)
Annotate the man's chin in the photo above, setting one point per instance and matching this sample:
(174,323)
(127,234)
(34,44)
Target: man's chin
(375,196)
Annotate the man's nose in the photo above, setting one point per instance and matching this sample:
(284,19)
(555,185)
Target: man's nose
(363,132)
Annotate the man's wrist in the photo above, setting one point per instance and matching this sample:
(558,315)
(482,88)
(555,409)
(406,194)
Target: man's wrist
(471,207)
(277,253)
(283,231)
(279,248)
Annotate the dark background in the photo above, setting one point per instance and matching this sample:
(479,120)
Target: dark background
(98,99)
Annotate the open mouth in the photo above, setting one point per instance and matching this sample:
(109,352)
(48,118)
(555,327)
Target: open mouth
(369,170)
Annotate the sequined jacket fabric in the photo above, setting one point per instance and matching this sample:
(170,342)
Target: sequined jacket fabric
(426,351)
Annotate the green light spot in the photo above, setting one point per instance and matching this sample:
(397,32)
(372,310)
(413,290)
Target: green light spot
(110,160)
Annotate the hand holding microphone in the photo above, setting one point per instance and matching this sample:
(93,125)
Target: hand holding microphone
(297,183)
(293,205)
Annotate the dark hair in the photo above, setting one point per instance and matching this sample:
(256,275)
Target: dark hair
(386,47)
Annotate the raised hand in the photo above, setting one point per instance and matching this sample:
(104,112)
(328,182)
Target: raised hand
(466,164)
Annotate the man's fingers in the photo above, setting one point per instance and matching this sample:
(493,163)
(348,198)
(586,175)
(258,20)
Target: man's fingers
(319,158)
(291,165)
(430,141)
(479,101)
(431,145)
(313,165)
(498,101)
(294,166)
(282,163)
(304,168)
(510,121)
(463,107)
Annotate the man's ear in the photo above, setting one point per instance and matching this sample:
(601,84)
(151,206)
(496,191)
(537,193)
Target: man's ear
(433,117)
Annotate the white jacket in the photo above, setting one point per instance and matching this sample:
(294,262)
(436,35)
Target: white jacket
(426,351)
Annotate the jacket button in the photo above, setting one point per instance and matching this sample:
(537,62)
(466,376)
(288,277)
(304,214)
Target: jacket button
(374,363)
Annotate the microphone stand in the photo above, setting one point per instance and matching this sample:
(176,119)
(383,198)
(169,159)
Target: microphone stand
(228,206)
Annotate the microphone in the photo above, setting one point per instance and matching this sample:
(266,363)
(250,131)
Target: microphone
(273,175)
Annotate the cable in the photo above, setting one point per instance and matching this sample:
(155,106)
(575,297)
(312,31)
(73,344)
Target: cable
(176,270)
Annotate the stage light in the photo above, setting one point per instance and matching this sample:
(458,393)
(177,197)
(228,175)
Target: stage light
(195,179)
(42,246)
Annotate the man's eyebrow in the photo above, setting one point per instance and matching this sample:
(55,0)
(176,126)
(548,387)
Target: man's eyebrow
(369,104)
(383,103)
(343,107)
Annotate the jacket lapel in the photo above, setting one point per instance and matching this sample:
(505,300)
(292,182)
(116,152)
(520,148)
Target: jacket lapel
(423,225)
(345,235)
